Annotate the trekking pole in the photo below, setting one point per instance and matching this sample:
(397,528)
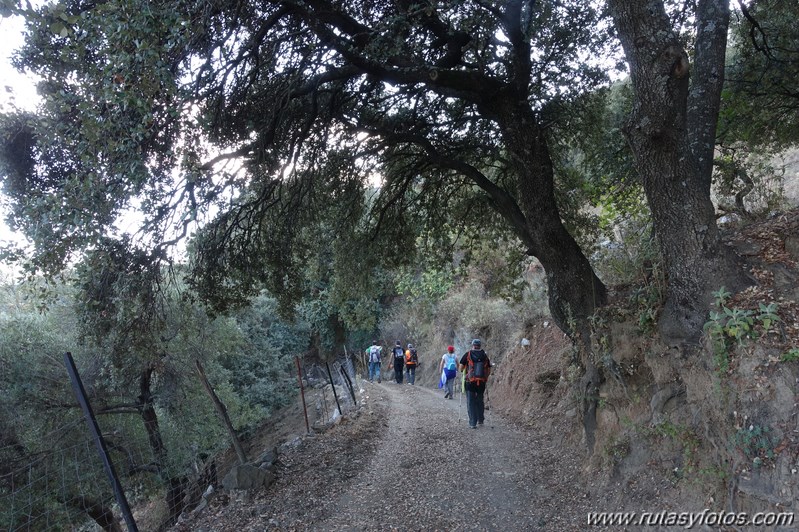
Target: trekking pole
(460,396)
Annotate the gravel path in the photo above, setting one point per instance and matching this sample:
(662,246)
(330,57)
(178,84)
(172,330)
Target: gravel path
(431,472)
(408,461)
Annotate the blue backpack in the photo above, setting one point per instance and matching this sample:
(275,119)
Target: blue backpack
(450,367)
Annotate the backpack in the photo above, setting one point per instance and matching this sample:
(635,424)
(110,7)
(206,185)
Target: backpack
(411,358)
(374,353)
(450,367)
(398,353)
(479,367)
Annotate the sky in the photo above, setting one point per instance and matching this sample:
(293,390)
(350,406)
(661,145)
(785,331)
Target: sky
(16,90)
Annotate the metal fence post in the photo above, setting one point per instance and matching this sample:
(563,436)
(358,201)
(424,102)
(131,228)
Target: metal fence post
(80,393)
(332,385)
(349,384)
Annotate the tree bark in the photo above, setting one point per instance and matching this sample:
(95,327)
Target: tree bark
(99,512)
(574,290)
(174,485)
(671,132)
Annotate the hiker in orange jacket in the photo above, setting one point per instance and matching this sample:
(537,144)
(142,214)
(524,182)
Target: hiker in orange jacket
(411,361)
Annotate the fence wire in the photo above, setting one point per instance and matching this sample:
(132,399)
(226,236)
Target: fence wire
(345,386)
(57,482)
(53,479)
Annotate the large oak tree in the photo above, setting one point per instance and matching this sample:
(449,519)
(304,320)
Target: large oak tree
(262,121)
(303,100)
(672,133)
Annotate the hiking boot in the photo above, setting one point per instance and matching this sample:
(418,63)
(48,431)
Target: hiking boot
(479,422)
(472,426)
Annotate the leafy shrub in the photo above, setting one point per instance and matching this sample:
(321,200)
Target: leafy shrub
(791,355)
(756,441)
(727,325)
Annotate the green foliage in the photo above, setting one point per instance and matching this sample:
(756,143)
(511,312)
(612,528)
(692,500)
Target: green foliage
(756,442)
(714,329)
(767,316)
(266,155)
(792,355)
(248,359)
(738,323)
(733,325)
(430,285)
(759,103)
(629,257)
(37,422)
(599,153)
(261,370)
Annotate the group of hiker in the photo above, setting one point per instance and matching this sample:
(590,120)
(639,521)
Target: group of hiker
(474,364)
(402,359)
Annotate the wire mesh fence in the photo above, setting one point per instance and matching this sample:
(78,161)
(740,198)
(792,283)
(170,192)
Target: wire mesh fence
(339,398)
(52,477)
(58,482)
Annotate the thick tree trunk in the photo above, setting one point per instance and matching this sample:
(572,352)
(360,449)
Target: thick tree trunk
(174,486)
(574,290)
(671,132)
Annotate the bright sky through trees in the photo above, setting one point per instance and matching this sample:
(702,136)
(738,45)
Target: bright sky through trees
(16,90)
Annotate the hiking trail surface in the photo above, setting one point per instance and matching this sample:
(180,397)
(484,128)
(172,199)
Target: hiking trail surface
(407,460)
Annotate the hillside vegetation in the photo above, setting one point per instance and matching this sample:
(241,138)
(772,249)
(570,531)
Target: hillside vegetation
(604,193)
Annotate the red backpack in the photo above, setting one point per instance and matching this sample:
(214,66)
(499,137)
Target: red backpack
(479,368)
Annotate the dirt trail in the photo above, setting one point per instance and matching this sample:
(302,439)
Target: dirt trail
(408,461)
(431,472)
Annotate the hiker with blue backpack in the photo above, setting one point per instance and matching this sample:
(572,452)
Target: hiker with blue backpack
(449,369)
(477,367)
(374,352)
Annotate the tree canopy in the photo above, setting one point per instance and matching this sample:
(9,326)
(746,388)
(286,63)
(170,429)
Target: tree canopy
(258,129)
(761,99)
(257,122)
